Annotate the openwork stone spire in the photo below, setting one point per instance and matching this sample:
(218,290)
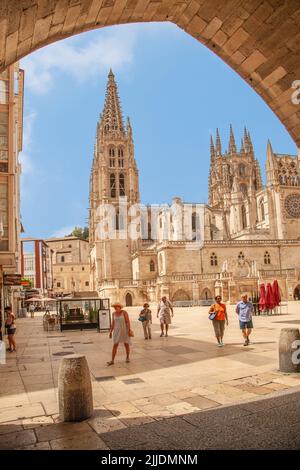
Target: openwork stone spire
(212,147)
(112,118)
(232,146)
(218,143)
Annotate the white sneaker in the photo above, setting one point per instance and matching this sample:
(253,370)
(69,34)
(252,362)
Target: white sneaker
(220,345)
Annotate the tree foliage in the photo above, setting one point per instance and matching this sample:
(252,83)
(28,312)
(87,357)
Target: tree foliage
(80,232)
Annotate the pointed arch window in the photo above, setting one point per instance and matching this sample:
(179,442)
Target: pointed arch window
(121,157)
(213,259)
(112,160)
(113,185)
(119,220)
(122,184)
(244,217)
(152,266)
(241,256)
(243,189)
(242,169)
(262,210)
(149,231)
(267,258)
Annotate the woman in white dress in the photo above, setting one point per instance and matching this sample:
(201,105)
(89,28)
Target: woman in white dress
(120,332)
(164,311)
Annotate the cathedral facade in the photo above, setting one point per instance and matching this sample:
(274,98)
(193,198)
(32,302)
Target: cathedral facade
(247,234)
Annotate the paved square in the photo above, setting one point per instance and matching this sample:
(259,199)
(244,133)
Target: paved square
(182,377)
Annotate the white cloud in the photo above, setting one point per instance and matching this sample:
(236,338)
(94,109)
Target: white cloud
(114,48)
(62,232)
(25,159)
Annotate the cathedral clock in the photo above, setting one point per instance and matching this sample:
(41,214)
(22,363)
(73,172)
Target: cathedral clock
(292,205)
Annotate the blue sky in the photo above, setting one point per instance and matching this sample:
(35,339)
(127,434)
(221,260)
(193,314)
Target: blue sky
(176,93)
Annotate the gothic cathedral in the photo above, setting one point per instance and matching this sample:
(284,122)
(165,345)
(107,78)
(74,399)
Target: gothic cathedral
(251,232)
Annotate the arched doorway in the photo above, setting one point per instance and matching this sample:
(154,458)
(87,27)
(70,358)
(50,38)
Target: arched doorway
(128,299)
(206,294)
(297,293)
(249,51)
(180,295)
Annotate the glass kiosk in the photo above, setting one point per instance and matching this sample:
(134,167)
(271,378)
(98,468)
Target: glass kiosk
(81,314)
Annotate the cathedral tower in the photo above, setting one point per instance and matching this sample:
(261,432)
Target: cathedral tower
(114,180)
(234,182)
(283,189)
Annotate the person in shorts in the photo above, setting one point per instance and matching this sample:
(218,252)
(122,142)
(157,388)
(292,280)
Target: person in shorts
(245,310)
(10,325)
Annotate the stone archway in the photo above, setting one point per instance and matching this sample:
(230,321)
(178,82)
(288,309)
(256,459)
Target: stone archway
(128,299)
(206,294)
(180,295)
(259,40)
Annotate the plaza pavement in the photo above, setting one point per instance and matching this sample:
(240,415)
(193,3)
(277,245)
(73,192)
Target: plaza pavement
(180,392)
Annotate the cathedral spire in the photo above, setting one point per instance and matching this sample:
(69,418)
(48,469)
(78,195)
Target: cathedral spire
(212,147)
(218,144)
(112,118)
(232,146)
(250,142)
(246,142)
(242,146)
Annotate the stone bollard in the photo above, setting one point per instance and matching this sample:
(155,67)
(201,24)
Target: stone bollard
(75,396)
(287,354)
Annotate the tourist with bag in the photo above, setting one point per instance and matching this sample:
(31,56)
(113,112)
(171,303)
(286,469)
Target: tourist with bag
(145,318)
(10,325)
(218,316)
(120,331)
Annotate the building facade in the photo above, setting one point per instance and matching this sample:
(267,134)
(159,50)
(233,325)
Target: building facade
(71,268)
(247,234)
(36,264)
(11,130)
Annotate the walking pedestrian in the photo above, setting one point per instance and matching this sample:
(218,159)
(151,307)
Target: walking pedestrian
(31,310)
(10,325)
(120,331)
(164,311)
(245,309)
(146,318)
(218,313)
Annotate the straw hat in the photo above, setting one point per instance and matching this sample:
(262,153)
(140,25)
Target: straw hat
(115,304)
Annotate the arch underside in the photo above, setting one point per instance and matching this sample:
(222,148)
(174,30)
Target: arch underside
(259,39)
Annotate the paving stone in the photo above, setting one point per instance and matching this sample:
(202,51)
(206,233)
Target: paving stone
(202,402)
(12,426)
(32,423)
(17,439)
(101,425)
(37,446)
(20,412)
(84,441)
(60,430)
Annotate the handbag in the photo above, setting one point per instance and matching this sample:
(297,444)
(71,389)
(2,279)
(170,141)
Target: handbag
(141,319)
(213,315)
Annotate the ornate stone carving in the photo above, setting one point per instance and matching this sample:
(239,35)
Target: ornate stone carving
(292,205)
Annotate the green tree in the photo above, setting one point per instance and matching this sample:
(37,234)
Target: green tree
(80,232)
